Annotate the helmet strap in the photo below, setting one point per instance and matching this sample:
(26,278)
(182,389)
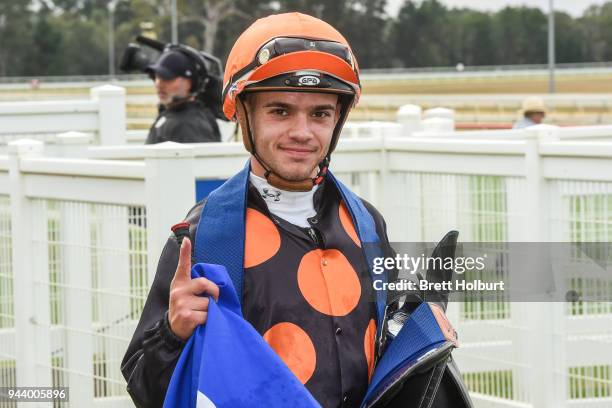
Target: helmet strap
(323,167)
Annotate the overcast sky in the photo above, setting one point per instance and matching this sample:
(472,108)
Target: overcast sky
(573,7)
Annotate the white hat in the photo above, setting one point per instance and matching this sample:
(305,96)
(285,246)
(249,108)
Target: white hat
(532,104)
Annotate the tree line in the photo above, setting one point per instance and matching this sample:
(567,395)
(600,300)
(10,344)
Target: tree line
(70,37)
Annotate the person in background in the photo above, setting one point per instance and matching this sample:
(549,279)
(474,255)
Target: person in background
(533,113)
(182,117)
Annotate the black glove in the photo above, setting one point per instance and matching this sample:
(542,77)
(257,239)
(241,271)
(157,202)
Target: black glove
(438,273)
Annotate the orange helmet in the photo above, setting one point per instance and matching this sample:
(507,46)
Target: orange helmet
(290,52)
(284,44)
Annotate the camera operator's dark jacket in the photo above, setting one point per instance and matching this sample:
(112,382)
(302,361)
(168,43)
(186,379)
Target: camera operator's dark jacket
(154,350)
(185,122)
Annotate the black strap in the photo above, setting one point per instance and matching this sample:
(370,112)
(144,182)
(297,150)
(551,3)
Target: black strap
(433,383)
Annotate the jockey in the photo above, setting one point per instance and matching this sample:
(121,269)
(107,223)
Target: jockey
(296,243)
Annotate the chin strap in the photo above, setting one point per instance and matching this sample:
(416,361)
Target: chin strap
(323,166)
(304,185)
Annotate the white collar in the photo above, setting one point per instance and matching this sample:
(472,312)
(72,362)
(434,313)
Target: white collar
(293,206)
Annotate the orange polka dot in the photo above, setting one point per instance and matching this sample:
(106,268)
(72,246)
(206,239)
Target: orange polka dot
(262,239)
(328,282)
(294,347)
(347,223)
(369,341)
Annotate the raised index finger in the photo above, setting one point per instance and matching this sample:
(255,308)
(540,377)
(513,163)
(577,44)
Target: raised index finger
(183,270)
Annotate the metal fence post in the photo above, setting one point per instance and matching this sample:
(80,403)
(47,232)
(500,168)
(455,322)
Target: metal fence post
(111,114)
(31,299)
(170,192)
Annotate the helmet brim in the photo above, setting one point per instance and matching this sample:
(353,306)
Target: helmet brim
(285,82)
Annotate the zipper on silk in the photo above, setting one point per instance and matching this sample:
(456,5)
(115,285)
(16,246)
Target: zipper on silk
(313,235)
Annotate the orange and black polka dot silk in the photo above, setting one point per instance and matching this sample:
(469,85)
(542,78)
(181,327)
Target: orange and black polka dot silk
(308,292)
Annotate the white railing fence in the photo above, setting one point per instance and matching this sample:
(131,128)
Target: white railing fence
(100,120)
(68,127)
(563,109)
(79,252)
(80,239)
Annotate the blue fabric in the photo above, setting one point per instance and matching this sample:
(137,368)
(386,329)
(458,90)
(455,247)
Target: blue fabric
(229,362)
(220,234)
(419,335)
(366,230)
(205,187)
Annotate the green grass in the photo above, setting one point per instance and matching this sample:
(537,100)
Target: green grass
(487,216)
(498,384)
(590,382)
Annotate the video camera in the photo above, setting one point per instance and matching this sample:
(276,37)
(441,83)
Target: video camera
(207,83)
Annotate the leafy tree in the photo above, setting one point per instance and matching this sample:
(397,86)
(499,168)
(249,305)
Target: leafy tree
(471,41)
(331,11)
(46,47)
(420,34)
(569,39)
(520,35)
(61,37)
(15,37)
(596,26)
(365,26)
(80,35)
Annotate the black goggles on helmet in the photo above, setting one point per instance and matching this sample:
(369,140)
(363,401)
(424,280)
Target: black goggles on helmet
(286,45)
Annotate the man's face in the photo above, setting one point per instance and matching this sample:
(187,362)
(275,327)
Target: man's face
(292,131)
(536,117)
(167,89)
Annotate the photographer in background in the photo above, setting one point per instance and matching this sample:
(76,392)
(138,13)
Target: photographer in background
(182,118)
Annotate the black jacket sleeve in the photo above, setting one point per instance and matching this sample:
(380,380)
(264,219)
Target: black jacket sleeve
(154,350)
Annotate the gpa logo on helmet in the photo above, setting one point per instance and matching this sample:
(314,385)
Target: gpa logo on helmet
(309,80)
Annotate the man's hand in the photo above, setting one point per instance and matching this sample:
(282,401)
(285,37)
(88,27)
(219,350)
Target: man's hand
(445,326)
(187,309)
